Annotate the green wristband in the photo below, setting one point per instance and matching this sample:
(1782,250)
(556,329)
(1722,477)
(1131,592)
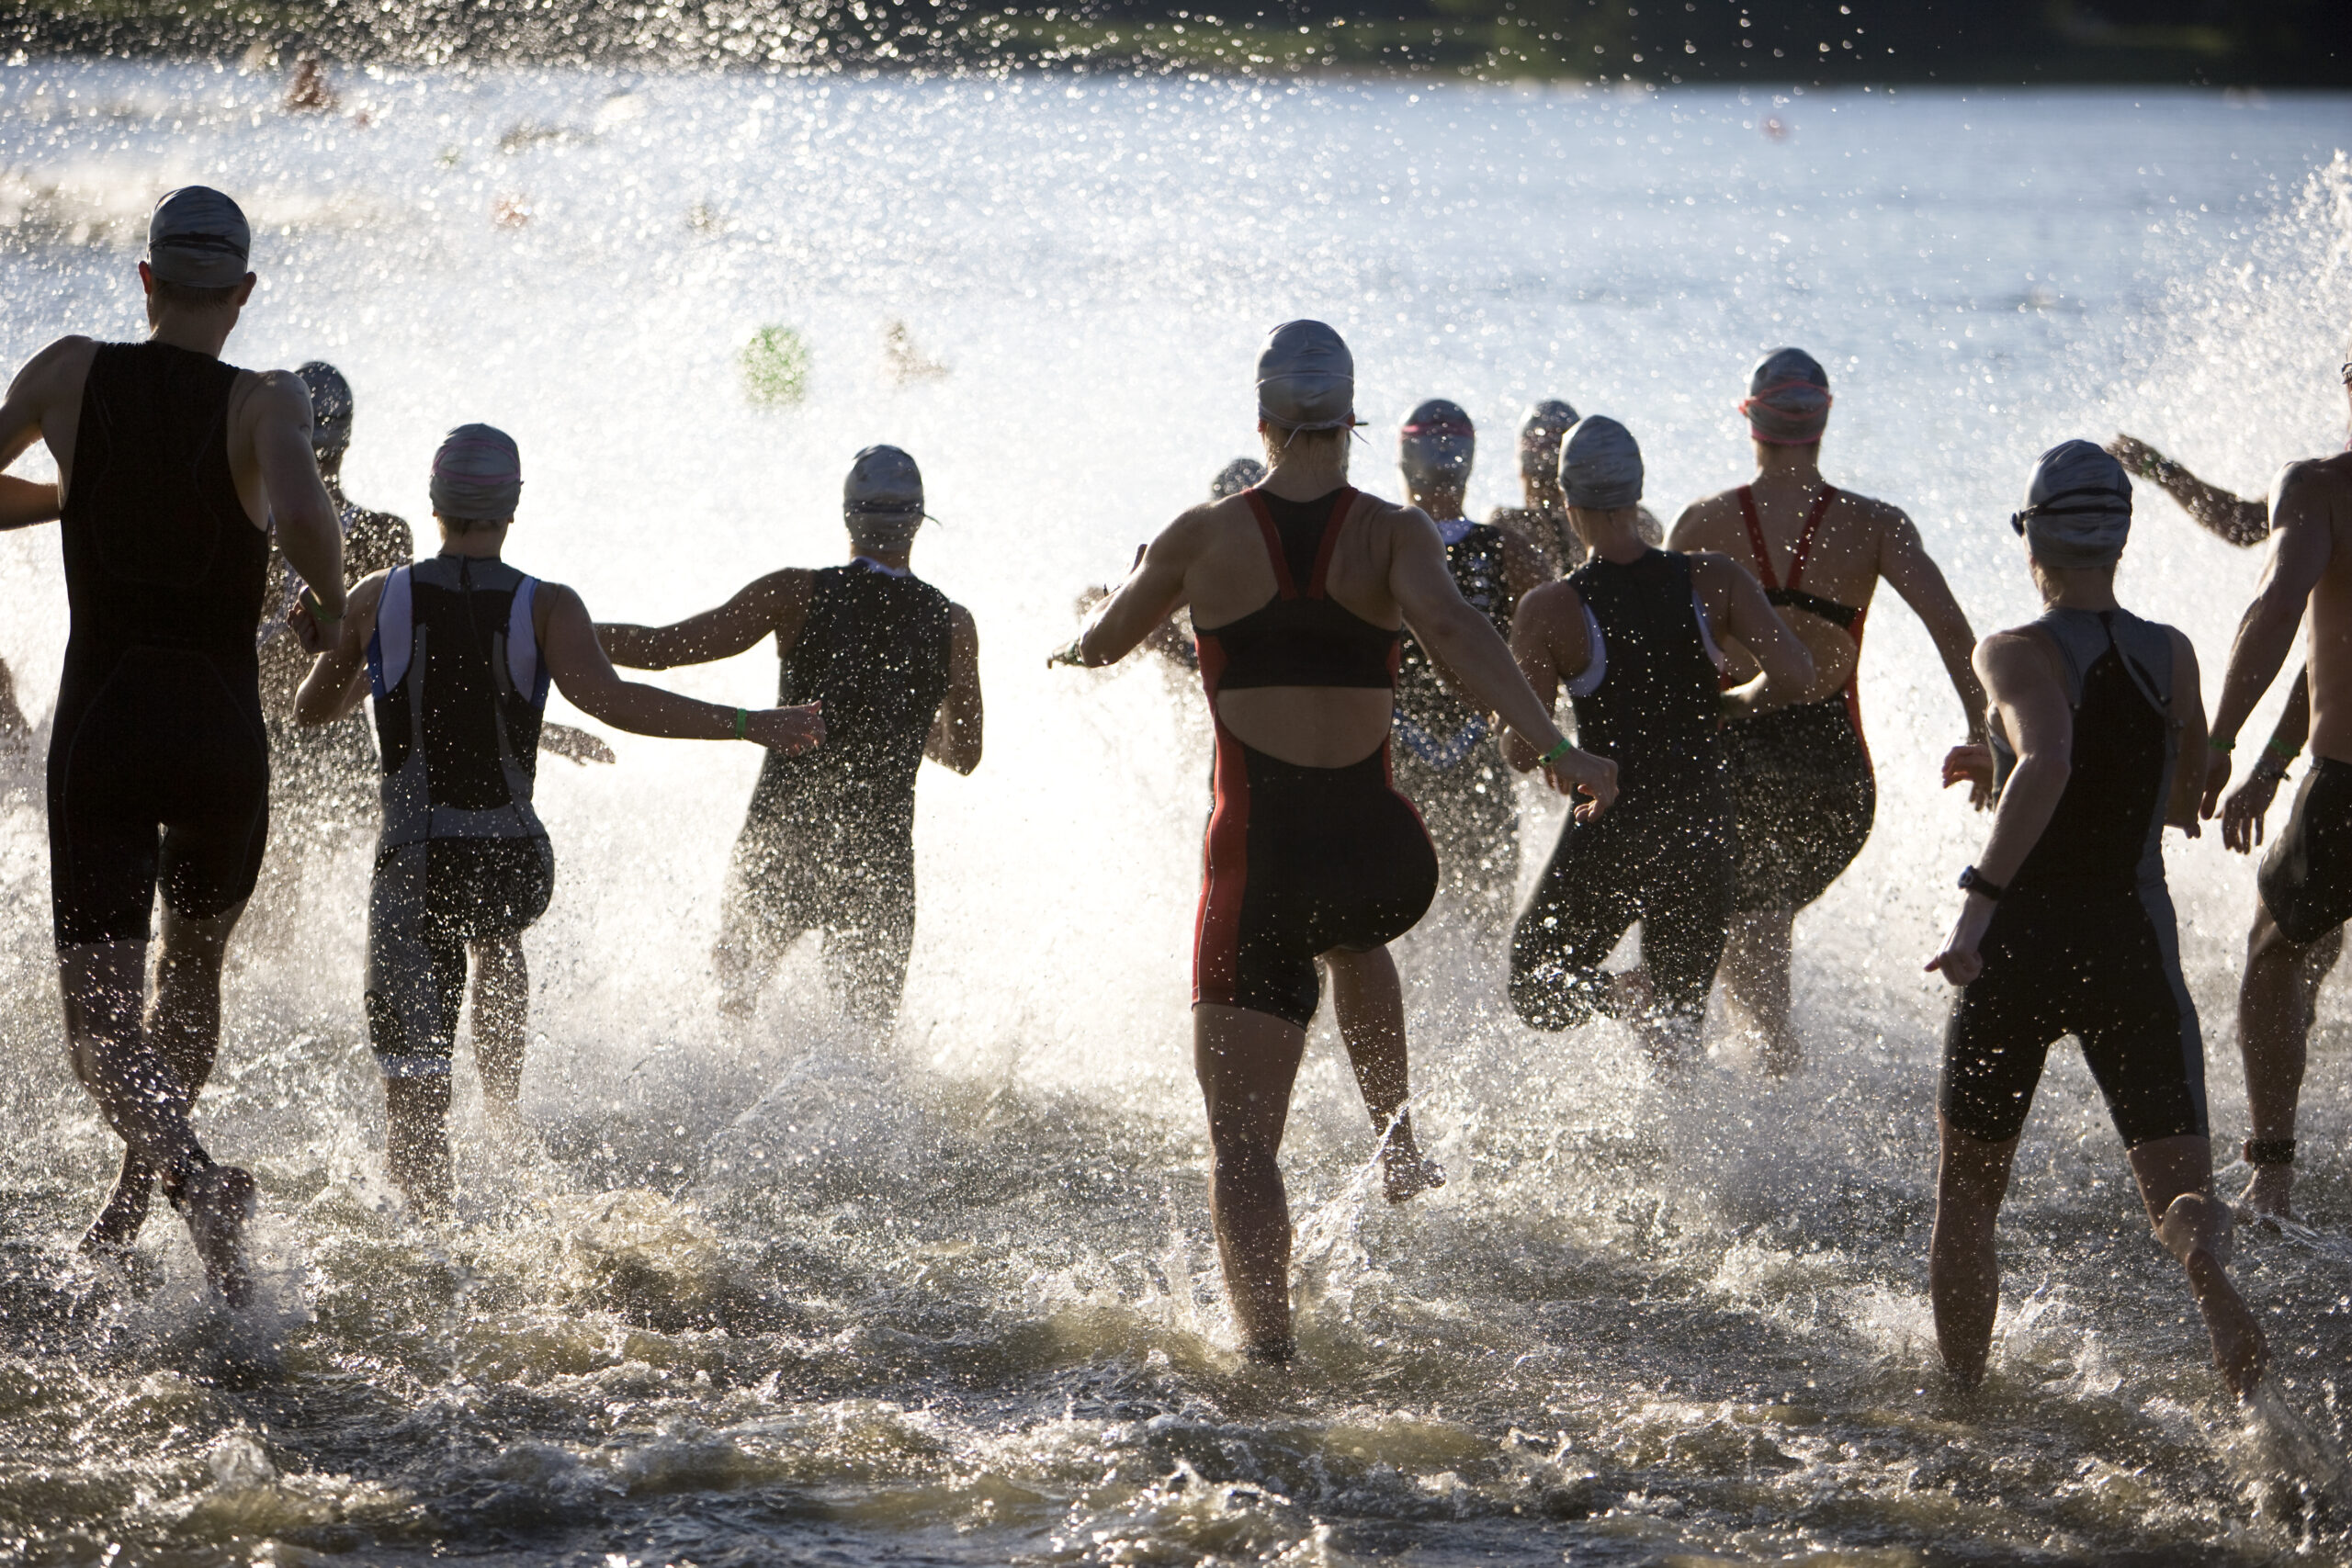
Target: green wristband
(319,611)
(1556,752)
(2284,754)
(2215,743)
(742,723)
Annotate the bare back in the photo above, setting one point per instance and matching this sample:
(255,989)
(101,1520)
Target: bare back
(1842,563)
(2318,494)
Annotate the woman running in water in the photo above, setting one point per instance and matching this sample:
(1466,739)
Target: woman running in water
(1802,787)
(1300,589)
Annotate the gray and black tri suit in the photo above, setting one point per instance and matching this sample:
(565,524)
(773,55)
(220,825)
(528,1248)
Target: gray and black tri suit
(459,690)
(1667,853)
(1446,763)
(827,844)
(2083,940)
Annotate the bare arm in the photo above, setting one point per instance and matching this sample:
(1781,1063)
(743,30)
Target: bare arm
(2306,545)
(2031,705)
(2188,712)
(1464,641)
(2230,518)
(24,503)
(1153,591)
(776,603)
(1523,570)
(299,509)
(1787,664)
(337,681)
(1550,641)
(576,660)
(954,739)
(2242,812)
(1908,568)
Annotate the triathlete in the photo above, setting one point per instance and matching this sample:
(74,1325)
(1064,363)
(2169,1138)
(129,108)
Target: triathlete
(1444,763)
(827,844)
(171,465)
(1300,588)
(2306,877)
(1801,776)
(1630,633)
(2067,927)
(459,651)
(1541,519)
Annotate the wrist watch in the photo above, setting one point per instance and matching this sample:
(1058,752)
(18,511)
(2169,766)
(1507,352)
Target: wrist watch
(1975,881)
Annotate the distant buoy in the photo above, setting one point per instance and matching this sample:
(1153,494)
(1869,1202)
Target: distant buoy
(776,367)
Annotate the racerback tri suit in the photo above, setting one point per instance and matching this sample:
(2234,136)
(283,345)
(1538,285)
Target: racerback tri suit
(827,844)
(1446,762)
(1666,852)
(158,762)
(459,690)
(1299,861)
(1801,775)
(2082,940)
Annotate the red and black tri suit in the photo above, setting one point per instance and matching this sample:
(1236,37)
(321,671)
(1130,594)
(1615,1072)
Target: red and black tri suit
(1300,861)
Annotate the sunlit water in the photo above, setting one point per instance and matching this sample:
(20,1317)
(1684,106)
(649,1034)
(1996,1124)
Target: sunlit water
(748,1295)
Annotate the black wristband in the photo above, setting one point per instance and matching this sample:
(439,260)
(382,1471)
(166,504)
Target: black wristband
(1975,881)
(2269,1151)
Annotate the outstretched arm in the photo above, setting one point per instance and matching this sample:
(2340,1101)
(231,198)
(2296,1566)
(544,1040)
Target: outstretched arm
(1153,591)
(777,602)
(1909,569)
(2306,545)
(2031,706)
(954,739)
(2230,518)
(338,678)
(586,678)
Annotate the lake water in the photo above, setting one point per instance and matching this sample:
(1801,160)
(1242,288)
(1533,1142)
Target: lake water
(774,1294)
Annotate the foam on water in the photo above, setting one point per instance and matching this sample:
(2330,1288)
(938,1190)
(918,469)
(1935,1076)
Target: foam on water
(734,1294)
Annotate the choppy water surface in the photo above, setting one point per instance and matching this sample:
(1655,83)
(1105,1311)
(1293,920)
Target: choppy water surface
(774,1294)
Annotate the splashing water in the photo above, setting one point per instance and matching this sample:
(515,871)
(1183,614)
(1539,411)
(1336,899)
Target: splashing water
(736,1294)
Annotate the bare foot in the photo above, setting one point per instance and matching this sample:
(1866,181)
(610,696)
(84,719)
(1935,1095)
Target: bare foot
(2266,1196)
(117,1226)
(2197,1230)
(217,1200)
(1406,1172)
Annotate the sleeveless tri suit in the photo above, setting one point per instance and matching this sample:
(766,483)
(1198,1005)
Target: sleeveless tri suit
(1800,776)
(459,688)
(1299,861)
(2082,940)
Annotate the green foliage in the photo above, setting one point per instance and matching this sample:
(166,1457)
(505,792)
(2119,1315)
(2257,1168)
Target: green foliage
(776,367)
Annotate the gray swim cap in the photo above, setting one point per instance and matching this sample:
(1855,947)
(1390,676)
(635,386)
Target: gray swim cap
(1438,438)
(1540,429)
(1235,477)
(1788,399)
(1600,464)
(329,406)
(1307,378)
(883,495)
(477,475)
(198,237)
(2077,506)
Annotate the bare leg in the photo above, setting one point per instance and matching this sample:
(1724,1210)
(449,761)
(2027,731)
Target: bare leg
(183,1026)
(416,1140)
(1247,1061)
(141,1094)
(2176,1178)
(501,992)
(14,729)
(2276,1003)
(1756,984)
(1963,1271)
(1370,1005)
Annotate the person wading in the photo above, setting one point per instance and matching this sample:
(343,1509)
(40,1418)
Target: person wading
(2067,926)
(459,651)
(1801,786)
(2306,878)
(172,466)
(1300,589)
(827,844)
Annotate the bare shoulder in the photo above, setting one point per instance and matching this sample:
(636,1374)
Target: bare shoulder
(2327,480)
(58,365)
(1869,511)
(1398,519)
(1553,602)
(2017,657)
(271,394)
(369,591)
(1703,518)
(960,621)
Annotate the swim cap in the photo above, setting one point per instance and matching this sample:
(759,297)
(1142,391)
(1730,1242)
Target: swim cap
(1540,429)
(197,237)
(883,493)
(2077,506)
(329,406)
(1235,477)
(1788,399)
(1307,378)
(1600,464)
(1438,438)
(477,475)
